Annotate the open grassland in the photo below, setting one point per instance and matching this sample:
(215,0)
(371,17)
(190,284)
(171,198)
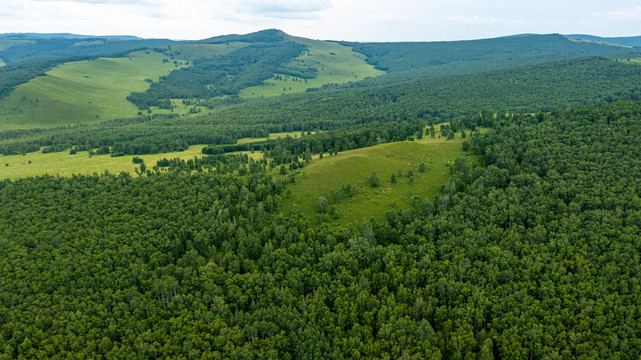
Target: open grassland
(324,176)
(82,92)
(63,164)
(199,51)
(635,61)
(335,63)
(273,136)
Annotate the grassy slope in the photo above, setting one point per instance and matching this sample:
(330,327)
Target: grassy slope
(335,63)
(82,92)
(355,167)
(198,51)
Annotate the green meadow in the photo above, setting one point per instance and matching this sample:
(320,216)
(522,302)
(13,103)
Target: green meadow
(273,136)
(355,167)
(336,64)
(82,92)
(199,51)
(63,164)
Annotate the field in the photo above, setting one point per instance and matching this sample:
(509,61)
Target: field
(336,64)
(636,61)
(324,176)
(272,136)
(198,51)
(82,92)
(63,164)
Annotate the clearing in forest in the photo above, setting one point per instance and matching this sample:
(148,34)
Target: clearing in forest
(63,164)
(324,177)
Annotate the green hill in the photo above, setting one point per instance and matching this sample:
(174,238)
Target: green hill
(82,92)
(407,61)
(219,72)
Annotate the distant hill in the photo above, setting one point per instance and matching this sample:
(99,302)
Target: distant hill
(435,59)
(634,41)
(67,36)
(19,48)
(190,77)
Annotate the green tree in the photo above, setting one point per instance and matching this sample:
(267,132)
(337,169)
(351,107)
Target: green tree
(373,180)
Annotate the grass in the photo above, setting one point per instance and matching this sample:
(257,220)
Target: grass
(272,136)
(82,92)
(324,176)
(198,51)
(63,164)
(635,61)
(335,63)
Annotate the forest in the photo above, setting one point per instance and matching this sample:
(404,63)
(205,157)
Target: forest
(527,254)
(529,250)
(533,88)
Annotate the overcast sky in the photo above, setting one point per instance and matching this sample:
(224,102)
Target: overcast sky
(357,20)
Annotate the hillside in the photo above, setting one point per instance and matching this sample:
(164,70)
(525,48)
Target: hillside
(82,92)
(435,59)
(526,89)
(631,41)
(227,70)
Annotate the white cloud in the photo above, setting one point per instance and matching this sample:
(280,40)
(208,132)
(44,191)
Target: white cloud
(283,6)
(358,20)
(387,16)
(472,19)
(629,14)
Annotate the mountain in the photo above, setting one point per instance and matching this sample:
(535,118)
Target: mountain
(56,81)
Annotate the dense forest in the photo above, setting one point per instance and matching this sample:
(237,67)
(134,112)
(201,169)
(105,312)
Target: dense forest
(32,48)
(436,59)
(531,88)
(532,253)
(220,75)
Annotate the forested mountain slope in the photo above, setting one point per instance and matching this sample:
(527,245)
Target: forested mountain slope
(533,88)
(16,49)
(434,59)
(533,254)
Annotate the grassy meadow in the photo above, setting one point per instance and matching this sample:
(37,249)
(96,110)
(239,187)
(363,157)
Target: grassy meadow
(336,64)
(273,136)
(324,176)
(82,92)
(63,164)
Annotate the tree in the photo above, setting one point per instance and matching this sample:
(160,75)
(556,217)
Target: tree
(373,180)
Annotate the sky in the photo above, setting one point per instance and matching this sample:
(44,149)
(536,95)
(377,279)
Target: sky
(353,20)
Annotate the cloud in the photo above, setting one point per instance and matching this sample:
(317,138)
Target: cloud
(472,19)
(627,14)
(282,8)
(387,17)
